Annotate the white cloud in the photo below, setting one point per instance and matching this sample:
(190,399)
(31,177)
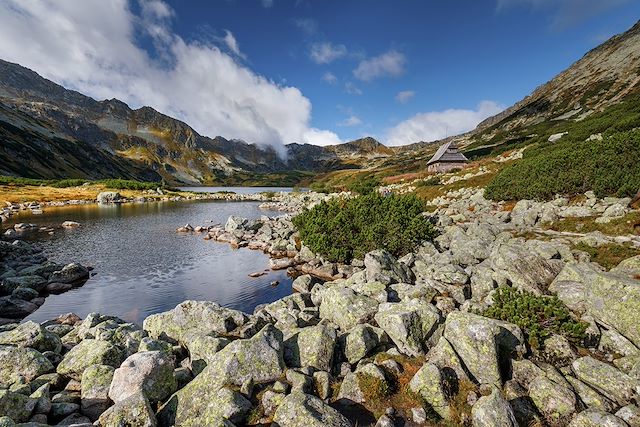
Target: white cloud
(232,44)
(351,121)
(352,89)
(320,137)
(404,96)
(330,78)
(267,3)
(563,13)
(325,53)
(91,46)
(436,125)
(388,64)
(308,26)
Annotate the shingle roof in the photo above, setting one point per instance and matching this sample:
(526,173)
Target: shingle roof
(448,153)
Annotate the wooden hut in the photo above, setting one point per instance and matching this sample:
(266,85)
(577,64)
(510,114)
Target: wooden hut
(447,158)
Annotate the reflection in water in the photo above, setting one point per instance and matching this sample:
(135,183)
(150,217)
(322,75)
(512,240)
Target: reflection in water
(143,266)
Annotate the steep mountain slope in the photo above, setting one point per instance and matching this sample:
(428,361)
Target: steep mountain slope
(39,116)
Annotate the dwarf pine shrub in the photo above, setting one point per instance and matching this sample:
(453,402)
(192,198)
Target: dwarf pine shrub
(341,230)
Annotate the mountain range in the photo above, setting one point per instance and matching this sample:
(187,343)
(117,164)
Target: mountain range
(48,131)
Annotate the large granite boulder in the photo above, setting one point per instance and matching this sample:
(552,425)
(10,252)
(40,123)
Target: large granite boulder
(360,340)
(608,380)
(24,363)
(147,372)
(304,410)
(311,347)
(16,406)
(94,390)
(482,343)
(383,267)
(493,411)
(132,411)
(429,383)
(345,308)
(33,335)
(89,352)
(203,317)
(596,418)
(554,400)
(70,273)
(409,324)
(585,289)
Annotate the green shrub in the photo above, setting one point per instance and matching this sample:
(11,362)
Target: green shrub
(126,184)
(341,230)
(538,316)
(364,186)
(429,182)
(569,167)
(66,183)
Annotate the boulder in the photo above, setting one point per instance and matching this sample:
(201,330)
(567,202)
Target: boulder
(493,411)
(359,341)
(43,399)
(608,380)
(94,392)
(217,404)
(383,267)
(203,317)
(482,343)
(23,363)
(409,324)
(108,197)
(591,294)
(89,352)
(147,372)
(16,406)
(351,389)
(311,347)
(304,410)
(35,282)
(596,418)
(629,267)
(33,335)
(132,411)
(345,308)
(630,414)
(590,397)
(202,348)
(70,273)
(554,400)
(16,308)
(430,384)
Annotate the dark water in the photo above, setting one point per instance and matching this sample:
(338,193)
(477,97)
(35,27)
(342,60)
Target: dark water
(143,266)
(239,190)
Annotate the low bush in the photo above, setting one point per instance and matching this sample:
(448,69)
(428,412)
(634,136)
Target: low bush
(608,167)
(538,316)
(364,185)
(341,230)
(126,184)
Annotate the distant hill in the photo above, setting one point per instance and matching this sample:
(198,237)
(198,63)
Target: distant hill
(52,132)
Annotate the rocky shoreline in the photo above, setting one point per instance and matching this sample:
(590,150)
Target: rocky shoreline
(381,341)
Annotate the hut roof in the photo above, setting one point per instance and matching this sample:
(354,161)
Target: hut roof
(448,153)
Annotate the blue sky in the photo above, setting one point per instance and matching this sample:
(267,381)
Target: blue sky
(314,71)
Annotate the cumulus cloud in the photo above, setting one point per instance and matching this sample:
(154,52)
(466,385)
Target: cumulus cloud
(404,96)
(436,125)
(563,13)
(91,46)
(330,78)
(321,137)
(325,53)
(352,89)
(308,26)
(388,64)
(351,121)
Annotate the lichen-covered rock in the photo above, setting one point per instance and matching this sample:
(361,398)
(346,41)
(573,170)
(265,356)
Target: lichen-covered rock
(312,346)
(257,360)
(203,317)
(444,357)
(429,384)
(630,414)
(304,283)
(94,393)
(590,397)
(210,404)
(381,266)
(345,308)
(16,406)
(409,324)
(89,352)
(608,380)
(493,411)
(35,282)
(202,348)
(6,421)
(148,372)
(150,344)
(558,349)
(351,389)
(271,401)
(629,267)
(70,273)
(23,363)
(304,410)
(133,411)
(596,418)
(480,341)
(552,399)
(33,335)
(43,399)
(592,295)
(360,340)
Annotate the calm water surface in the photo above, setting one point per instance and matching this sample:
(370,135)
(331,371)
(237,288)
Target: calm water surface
(143,266)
